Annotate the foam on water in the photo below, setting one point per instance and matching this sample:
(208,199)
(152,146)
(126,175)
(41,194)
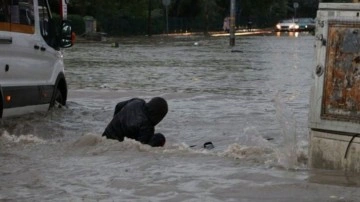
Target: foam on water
(8,139)
(94,144)
(260,152)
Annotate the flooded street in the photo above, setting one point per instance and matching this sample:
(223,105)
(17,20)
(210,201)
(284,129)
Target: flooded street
(251,103)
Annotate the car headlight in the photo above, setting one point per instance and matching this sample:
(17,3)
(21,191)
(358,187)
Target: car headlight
(278,26)
(294,26)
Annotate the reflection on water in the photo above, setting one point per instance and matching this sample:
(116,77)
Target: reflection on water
(339,178)
(292,34)
(251,103)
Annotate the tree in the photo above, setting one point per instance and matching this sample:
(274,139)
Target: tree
(136,17)
(336,1)
(263,12)
(209,12)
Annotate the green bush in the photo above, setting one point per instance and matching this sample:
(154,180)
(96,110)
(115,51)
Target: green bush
(77,23)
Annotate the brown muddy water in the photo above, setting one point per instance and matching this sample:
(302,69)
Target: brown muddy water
(252,104)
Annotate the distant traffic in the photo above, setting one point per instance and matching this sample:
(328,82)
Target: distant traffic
(295,25)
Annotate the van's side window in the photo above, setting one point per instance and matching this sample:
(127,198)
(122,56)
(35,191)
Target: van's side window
(47,25)
(17,16)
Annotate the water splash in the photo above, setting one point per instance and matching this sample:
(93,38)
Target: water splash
(252,137)
(8,139)
(255,154)
(287,152)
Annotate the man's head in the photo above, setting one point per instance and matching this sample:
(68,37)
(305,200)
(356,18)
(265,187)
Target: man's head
(157,109)
(158,140)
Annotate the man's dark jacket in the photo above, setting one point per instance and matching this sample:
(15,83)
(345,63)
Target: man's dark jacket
(137,119)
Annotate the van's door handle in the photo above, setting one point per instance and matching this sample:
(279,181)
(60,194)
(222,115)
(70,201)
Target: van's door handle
(43,48)
(37,47)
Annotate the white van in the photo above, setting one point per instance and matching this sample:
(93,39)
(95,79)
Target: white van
(31,64)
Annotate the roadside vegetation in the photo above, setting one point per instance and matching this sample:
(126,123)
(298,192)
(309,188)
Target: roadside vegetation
(146,17)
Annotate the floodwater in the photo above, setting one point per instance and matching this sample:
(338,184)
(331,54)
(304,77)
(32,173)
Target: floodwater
(252,104)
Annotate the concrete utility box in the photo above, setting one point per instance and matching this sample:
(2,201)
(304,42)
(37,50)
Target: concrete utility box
(90,24)
(334,117)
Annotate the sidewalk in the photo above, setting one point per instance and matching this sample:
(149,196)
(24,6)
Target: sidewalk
(242,32)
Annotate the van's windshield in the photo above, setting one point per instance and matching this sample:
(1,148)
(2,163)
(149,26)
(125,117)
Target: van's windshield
(17,16)
(48,26)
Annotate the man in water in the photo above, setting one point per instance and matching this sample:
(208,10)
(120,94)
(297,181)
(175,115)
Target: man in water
(137,119)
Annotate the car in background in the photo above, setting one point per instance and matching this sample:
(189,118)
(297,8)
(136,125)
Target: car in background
(286,25)
(305,24)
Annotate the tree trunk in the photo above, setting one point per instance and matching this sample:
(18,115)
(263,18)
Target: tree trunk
(149,19)
(206,19)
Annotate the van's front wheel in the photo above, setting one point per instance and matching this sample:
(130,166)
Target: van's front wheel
(59,95)
(58,99)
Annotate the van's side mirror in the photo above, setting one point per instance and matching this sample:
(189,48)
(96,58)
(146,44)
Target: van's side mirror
(67,35)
